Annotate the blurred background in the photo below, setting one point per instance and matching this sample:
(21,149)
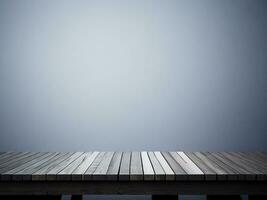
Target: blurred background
(133,75)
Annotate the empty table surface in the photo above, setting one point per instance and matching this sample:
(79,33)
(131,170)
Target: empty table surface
(133,166)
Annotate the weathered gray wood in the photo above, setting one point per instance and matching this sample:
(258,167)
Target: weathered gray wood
(27,162)
(136,169)
(149,174)
(11,162)
(114,167)
(52,174)
(251,172)
(263,154)
(26,173)
(258,155)
(232,174)
(257,168)
(1,153)
(88,175)
(124,173)
(170,176)
(242,173)
(78,173)
(100,173)
(66,173)
(14,164)
(16,176)
(210,175)
(158,170)
(40,175)
(7,155)
(180,174)
(136,166)
(222,174)
(13,158)
(253,159)
(194,173)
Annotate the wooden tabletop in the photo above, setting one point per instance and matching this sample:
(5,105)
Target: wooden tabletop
(133,166)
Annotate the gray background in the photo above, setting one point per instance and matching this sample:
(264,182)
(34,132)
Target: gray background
(133,75)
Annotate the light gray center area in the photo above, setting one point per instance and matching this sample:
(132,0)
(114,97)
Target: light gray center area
(133,75)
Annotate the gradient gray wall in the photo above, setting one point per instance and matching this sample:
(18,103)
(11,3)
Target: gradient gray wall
(127,75)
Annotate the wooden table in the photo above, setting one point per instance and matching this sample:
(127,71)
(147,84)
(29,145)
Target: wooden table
(160,174)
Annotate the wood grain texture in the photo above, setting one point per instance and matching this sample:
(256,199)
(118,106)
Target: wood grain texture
(65,174)
(194,173)
(114,167)
(52,174)
(101,170)
(30,161)
(124,173)
(149,174)
(180,174)
(41,174)
(88,175)
(170,176)
(220,172)
(158,169)
(136,168)
(210,175)
(133,166)
(78,173)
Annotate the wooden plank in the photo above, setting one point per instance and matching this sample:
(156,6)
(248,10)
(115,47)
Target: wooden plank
(232,174)
(40,175)
(15,159)
(9,174)
(66,173)
(52,174)
(15,163)
(251,171)
(262,155)
(220,172)
(136,169)
(26,158)
(255,159)
(243,174)
(26,173)
(262,173)
(158,170)
(210,175)
(226,164)
(12,158)
(149,174)
(100,173)
(170,176)
(180,174)
(124,174)
(78,173)
(88,175)
(194,173)
(18,175)
(114,167)
(7,155)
